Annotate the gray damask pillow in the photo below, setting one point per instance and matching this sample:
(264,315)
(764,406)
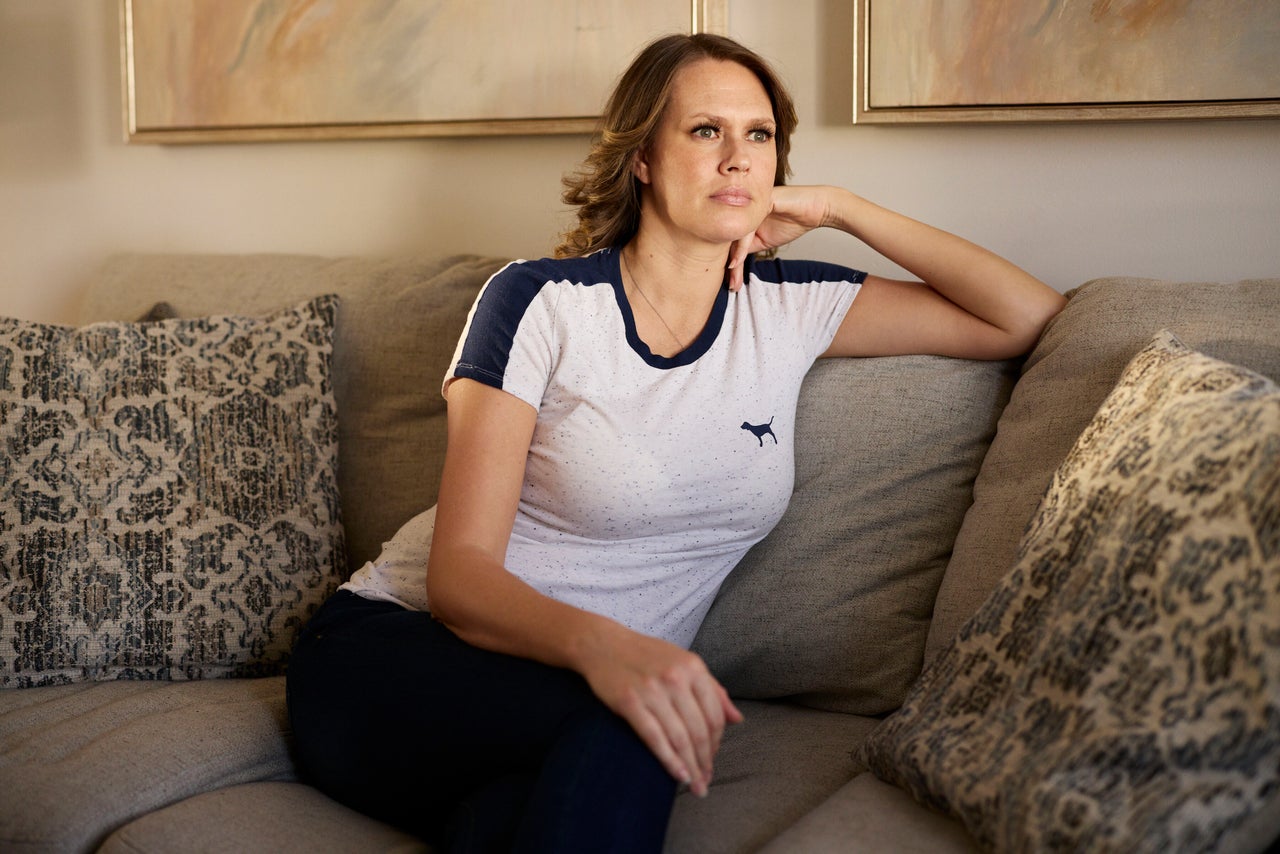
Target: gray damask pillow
(168,503)
(1120,689)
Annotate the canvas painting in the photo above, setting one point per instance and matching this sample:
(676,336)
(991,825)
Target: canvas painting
(928,54)
(281,64)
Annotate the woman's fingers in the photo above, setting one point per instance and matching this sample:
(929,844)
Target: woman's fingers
(657,737)
(738,253)
(702,730)
(731,713)
(707,693)
(681,717)
(670,699)
(793,212)
(687,736)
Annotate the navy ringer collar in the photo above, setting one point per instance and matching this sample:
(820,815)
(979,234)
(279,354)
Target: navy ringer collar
(699,345)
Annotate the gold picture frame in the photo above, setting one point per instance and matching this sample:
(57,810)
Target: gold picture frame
(257,70)
(925,61)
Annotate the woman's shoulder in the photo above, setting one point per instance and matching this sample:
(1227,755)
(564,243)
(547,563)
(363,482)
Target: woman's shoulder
(587,269)
(514,288)
(801,271)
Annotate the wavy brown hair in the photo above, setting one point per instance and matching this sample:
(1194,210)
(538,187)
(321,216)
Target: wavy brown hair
(604,190)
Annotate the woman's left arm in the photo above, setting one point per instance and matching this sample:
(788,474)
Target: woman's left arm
(969,302)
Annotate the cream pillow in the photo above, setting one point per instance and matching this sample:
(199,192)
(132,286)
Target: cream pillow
(1120,689)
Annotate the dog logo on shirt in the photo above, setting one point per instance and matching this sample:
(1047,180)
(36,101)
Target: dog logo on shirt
(760,431)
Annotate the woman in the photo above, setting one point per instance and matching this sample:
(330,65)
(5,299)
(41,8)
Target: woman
(619,435)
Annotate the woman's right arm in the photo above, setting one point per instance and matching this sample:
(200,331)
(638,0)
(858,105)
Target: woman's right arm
(666,693)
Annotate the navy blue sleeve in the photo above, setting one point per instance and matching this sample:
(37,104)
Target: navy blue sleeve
(485,349)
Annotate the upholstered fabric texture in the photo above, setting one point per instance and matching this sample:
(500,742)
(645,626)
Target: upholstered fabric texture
(265,816)
(1120,688)
(397,325)
(1064,380)
(868,815)
(833,607)
(168,500)
(781,762)
(77,761)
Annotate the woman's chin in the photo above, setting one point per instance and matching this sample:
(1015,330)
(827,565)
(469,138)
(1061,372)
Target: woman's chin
(727,229)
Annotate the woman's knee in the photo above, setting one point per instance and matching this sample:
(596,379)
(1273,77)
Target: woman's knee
(601,787)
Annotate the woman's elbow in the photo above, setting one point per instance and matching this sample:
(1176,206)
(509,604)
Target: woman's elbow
(1024,335)
(460,585)
(442,596)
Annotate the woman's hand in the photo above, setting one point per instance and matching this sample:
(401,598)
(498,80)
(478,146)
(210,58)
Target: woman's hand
(668,696)
(793,212)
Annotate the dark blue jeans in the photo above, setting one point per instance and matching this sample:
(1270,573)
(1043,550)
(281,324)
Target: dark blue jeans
(398,718)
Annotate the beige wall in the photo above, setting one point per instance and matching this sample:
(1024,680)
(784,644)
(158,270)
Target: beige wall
(1192,200)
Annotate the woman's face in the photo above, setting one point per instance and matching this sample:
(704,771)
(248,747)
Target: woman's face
(708,175)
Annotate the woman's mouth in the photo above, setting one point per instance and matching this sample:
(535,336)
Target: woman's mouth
(733,196)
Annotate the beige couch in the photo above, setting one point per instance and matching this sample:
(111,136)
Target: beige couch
(916,478)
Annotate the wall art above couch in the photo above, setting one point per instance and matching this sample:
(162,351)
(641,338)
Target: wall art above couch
(239,70)
(1053,60)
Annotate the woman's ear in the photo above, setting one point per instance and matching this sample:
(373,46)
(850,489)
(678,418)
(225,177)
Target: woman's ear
(640,166)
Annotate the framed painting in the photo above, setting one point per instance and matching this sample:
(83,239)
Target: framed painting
(242,70)
(1045,60)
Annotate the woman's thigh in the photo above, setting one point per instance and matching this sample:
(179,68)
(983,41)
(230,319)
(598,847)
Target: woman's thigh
(395,715)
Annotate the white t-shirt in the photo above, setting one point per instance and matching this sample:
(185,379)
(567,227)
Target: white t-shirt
(648,477)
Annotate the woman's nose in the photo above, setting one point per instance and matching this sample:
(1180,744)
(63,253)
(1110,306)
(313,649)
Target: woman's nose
(737,157)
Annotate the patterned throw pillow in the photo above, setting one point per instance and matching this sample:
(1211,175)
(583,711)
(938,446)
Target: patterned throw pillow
(1120,689)
(168,507)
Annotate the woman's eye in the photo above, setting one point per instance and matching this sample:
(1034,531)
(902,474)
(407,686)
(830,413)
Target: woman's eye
(706,132)
(760,135)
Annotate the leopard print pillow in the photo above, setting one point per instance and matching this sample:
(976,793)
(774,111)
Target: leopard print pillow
(1120,689)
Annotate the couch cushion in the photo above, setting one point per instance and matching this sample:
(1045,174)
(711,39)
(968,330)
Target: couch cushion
(260,817)
(397,326)
(1120,689)
(168,502)
(833,606)
(83,760)
(866,814)
(1065,378)
(777,765)
(77,761)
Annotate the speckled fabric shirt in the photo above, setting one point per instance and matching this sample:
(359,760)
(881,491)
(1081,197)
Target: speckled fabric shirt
(648,477)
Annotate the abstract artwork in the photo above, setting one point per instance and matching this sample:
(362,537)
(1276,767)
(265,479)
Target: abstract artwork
(198,70)
(946,60)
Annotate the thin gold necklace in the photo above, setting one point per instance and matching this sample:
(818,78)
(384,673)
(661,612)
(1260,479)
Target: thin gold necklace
(640,290)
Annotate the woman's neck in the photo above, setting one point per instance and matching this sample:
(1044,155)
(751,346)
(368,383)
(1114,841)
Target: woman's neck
(680,277)
(671,294)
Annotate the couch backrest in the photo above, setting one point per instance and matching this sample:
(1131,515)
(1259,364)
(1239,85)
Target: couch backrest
(397,325)
(1064,381)
(832,608)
